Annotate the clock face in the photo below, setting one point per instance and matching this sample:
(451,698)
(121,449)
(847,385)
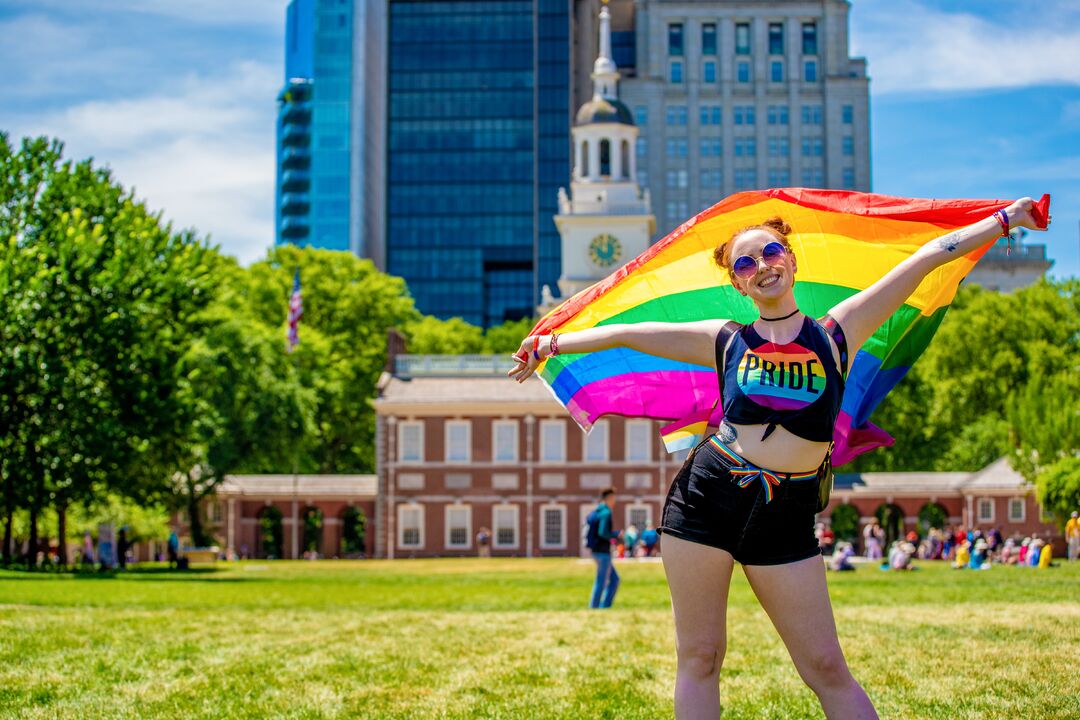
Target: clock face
(605,250)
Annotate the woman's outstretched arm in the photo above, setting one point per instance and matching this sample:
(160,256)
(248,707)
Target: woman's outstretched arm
(863,313)
(691,342)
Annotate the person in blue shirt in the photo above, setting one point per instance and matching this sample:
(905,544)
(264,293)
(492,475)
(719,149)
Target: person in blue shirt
(599,537)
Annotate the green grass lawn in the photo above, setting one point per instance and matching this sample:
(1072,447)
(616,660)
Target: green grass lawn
(509,638)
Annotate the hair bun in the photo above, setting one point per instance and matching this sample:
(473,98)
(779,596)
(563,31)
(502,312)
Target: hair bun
(778,224)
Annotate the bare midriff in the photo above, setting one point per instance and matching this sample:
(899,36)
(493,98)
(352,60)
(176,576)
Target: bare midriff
(781,451)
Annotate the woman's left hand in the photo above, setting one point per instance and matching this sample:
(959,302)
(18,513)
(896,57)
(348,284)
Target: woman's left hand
(1020,214)
(525,363)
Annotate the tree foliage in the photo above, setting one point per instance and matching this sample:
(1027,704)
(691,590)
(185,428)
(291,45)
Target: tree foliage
(1058,488)
(1000,376)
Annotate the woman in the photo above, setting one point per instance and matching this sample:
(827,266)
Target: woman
(748,493)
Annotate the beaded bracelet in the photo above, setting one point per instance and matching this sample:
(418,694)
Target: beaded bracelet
(554,350)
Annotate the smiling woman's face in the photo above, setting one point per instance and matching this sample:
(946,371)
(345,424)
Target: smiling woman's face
(769,282)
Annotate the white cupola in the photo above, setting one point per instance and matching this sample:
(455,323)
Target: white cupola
(606,219)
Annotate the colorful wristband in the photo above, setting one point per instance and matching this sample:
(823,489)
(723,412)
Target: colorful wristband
(1003,220)
(536,347)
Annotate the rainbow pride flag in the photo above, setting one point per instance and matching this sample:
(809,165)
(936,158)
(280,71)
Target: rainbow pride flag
(686,433)
(844,242)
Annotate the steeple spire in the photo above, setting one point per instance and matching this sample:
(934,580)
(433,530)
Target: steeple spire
(605,75)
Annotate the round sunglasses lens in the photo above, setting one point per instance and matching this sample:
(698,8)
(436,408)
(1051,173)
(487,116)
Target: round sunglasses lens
(772,253)
(744,266)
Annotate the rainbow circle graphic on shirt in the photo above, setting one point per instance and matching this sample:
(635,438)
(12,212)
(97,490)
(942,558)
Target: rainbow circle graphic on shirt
(782,377)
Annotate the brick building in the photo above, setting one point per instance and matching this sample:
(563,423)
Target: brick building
(461,447)
(284,516)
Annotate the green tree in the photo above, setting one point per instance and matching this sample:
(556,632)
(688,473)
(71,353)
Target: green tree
(1058,488)
(242,408)
(1045,420)
(429,335)
(97,299)
(348,308)
(506,338)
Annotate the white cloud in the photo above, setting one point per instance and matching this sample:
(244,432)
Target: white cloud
(203,12)
(203,154)
(912,47)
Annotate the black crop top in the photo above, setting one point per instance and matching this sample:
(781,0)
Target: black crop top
(796,385)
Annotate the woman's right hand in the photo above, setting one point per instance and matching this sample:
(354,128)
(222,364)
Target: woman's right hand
(525,363)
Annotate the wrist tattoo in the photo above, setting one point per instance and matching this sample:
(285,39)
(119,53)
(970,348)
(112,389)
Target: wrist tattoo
(726,433)
(949,242)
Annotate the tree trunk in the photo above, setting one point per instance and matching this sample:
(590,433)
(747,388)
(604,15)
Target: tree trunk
(32,546)
(194,520)
(8,527)
(61,527)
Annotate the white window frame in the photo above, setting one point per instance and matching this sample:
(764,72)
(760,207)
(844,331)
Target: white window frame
(512,507)
(599,426)
(551,422)
(1023,510)
(410,481)
(639,506)
(561,509)
(468,526)
(647,429)
(401,510)
(978,510)
(495,425)
(447,427)
(401,441)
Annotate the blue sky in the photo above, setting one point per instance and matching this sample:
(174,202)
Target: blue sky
(976,98)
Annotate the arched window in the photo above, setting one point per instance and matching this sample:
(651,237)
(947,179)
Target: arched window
(891,519)
(844,520)
(605,158)
(932,515)
(313,525)
(268,539)
(353,526)
(625,159)
(584,158)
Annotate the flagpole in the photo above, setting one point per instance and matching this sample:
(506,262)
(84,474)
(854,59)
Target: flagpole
(296,311)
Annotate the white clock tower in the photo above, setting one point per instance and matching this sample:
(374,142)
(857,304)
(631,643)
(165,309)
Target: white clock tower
(607,220)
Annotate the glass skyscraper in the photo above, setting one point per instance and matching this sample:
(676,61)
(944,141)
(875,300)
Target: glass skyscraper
(478,141)
(323,137)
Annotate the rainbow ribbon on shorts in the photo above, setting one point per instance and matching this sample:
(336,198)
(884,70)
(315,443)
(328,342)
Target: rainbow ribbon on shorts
(745,473)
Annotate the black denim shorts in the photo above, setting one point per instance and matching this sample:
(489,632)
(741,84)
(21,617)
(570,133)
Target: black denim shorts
(706,505)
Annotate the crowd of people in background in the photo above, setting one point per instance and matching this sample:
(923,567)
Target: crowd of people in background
(635,543)
(966,548)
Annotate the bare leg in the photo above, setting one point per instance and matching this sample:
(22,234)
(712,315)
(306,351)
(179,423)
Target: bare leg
(796,598)
(699,577)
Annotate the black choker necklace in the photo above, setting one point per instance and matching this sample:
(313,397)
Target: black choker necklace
(762,317)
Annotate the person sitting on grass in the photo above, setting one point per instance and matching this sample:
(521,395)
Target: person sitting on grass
(841,558)
(963,555)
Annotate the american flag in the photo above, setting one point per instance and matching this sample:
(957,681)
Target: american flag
(296,311)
